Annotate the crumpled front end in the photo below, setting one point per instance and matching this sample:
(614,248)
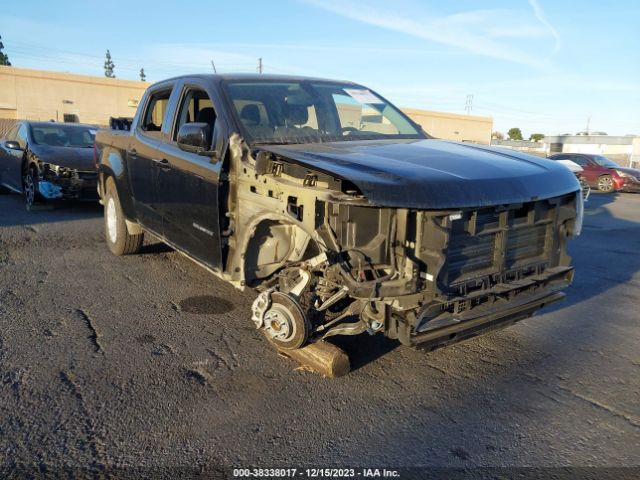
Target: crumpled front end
(57,182)
(328,262)
(438,276)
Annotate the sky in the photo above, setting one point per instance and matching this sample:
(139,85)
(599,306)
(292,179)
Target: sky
(544,66)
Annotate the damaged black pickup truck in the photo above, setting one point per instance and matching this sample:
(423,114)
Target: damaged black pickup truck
(342,213)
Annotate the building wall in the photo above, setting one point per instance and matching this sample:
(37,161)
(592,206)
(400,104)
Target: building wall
(453,126)
(42,95)
(635,153)
(623,149)
(538,149)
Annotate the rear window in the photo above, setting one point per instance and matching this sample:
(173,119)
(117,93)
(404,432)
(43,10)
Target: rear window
(155,111)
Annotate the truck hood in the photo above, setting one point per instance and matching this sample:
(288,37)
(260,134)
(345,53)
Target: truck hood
(78,158)
(434,174)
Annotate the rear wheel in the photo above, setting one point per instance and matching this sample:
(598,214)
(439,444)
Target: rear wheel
(605,184)
(119,240)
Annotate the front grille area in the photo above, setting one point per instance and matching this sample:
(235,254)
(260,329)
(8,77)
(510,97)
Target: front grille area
(467,254)
(525,243)
(500,244)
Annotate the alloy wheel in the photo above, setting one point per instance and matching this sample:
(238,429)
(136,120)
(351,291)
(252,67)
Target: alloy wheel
(29,189)
(605,184)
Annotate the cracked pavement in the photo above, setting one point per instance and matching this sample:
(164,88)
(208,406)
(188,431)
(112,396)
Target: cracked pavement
(149,361)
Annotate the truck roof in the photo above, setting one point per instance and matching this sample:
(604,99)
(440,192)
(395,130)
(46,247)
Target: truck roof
(218,77)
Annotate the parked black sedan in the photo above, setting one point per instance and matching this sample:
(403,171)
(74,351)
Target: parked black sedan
(49,161)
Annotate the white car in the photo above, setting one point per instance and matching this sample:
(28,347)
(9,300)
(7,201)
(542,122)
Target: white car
(577,169)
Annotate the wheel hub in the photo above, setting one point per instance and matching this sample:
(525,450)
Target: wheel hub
(281,319)
(279,323)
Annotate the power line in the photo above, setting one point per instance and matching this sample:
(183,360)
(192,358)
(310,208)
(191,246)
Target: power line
(38,52)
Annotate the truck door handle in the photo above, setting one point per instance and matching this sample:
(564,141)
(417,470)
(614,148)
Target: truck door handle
(163,163)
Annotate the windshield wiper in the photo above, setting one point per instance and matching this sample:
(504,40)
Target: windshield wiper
(273,142)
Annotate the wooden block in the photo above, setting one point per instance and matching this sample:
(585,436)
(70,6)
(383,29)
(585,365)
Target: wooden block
(321,357)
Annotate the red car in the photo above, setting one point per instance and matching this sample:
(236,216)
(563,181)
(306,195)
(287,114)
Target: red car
(603,173)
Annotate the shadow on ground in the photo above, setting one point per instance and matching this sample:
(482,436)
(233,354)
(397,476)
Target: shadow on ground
(12,211)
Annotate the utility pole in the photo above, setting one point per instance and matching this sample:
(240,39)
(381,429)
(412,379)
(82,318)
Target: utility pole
(260,65)
(214,67)
(588,123)
(468,104)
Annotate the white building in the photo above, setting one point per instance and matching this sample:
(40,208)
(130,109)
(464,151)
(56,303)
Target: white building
(625,150)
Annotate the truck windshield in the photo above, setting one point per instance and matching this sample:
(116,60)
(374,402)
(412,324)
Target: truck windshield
(307,112)
(56,135)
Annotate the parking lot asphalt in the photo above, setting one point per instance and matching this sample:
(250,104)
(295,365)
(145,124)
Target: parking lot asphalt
(150,361)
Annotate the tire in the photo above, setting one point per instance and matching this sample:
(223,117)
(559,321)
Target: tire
(605,184)
(30,188)
(290,311)
(118,238)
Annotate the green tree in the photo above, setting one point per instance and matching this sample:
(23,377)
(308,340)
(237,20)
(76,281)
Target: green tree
(143,76)
(4,58)
(514,134)
(109,66)
(536,137)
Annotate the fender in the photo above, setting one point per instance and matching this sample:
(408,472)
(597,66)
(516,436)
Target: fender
(297,251)
(112,165)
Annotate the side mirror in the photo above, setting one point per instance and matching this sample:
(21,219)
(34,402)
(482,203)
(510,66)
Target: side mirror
(196,138)
(12,145)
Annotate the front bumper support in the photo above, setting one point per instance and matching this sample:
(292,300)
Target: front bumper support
(521,300)
(465,329)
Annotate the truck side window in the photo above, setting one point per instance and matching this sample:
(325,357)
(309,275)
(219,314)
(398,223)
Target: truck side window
(155,112)
(196,106)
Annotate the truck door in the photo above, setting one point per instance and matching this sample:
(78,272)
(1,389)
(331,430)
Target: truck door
(142,155)
(188,185)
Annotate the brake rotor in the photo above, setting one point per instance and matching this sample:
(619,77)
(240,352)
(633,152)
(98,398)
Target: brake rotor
(284,322)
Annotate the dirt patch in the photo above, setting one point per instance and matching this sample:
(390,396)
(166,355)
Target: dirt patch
(206,305)
(144,339)
(199,375)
